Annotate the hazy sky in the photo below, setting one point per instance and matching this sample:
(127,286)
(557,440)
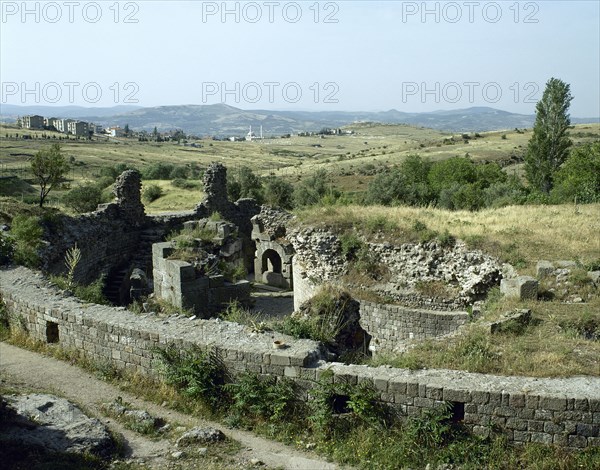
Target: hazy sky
(343,55)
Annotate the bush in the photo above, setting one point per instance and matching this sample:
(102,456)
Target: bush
(262,399)
(450,173)
(279,193)
(158,171)
(504,193)
(83,198)
(152,193)
(579,177)
(185,184)
(27,233)
(407,184)
(245,184)
(7,248)
(196,374)
(179,172)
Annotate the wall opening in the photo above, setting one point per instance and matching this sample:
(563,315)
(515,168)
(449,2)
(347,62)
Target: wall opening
(52,332)
(339,404)
(271,261)
(457,412)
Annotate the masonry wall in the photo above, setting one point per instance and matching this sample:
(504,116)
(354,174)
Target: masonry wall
(390,324)
(560,411)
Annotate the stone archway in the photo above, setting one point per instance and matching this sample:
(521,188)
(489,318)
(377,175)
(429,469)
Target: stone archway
(273,264)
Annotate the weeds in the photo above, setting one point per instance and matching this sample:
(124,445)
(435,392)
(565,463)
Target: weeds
(197,374)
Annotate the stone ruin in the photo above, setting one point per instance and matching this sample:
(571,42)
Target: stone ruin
(126,244)
(197,283)
(274,253)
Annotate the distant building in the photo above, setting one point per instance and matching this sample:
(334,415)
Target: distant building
(49,122)
(32,122)
(62,125)
(96,128)
(116,131)
(78,128)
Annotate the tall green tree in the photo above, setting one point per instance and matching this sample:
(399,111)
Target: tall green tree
(48,167)
(549,146)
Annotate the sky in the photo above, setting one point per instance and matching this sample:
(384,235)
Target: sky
(305,55)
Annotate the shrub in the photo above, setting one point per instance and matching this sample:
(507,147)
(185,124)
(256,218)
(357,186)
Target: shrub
(179,172)
(83,198)
(7,248)
(262,399)
(452,172)
(196,374)
(27,233)
(152,193)
(185,184)
(579,177)
(158,171)
(279,193)
(245,184)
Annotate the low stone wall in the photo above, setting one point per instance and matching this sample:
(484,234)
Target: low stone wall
(390,324)
(563,411)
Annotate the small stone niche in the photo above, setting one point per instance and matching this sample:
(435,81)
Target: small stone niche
(52,335)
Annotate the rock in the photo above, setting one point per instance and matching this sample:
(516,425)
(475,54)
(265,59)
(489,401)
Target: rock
(200,435)
(202,451)
(544,269)
(54,424)
(518,320)
(177,455)
(256,462)
(594,276)
(522,287)
(565,264)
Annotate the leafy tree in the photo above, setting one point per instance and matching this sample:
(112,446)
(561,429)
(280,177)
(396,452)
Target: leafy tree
(407,184)
(48,167)
(246,184)
(279,193)
(313,189)
(451,172)
(579,178)
(83,198)
(549,144)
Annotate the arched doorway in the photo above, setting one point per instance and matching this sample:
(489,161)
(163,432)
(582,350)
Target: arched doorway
(271,262)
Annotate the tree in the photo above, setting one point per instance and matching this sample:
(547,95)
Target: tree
(578,180)
(48,167)
(126,130)
(549,145)
(279,193)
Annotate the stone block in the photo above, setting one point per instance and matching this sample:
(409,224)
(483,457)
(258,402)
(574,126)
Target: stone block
(577,441)
(522,287)
(544,268)
(553,403)
(541,437)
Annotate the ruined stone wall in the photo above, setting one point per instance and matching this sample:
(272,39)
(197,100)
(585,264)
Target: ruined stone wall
(112,234)
(466,274)
(562,411)
(177,282)
(389,325)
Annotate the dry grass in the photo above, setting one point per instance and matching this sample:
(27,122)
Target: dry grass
(549,347)
(518,234)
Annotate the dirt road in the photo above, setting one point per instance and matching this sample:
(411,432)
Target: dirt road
(22,368)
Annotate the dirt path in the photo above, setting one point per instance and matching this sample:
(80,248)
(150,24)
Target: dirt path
(20,367)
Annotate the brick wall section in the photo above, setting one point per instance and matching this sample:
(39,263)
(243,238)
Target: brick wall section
(564,411)
(389,324)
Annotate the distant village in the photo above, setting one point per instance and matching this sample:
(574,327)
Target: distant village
(67,126)
(87,130)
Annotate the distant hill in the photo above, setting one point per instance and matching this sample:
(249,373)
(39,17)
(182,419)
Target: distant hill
(225,120)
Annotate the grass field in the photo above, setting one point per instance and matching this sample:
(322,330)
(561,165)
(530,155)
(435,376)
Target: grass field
(372,146)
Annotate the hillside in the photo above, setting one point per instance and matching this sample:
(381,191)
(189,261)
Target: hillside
(225,120)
